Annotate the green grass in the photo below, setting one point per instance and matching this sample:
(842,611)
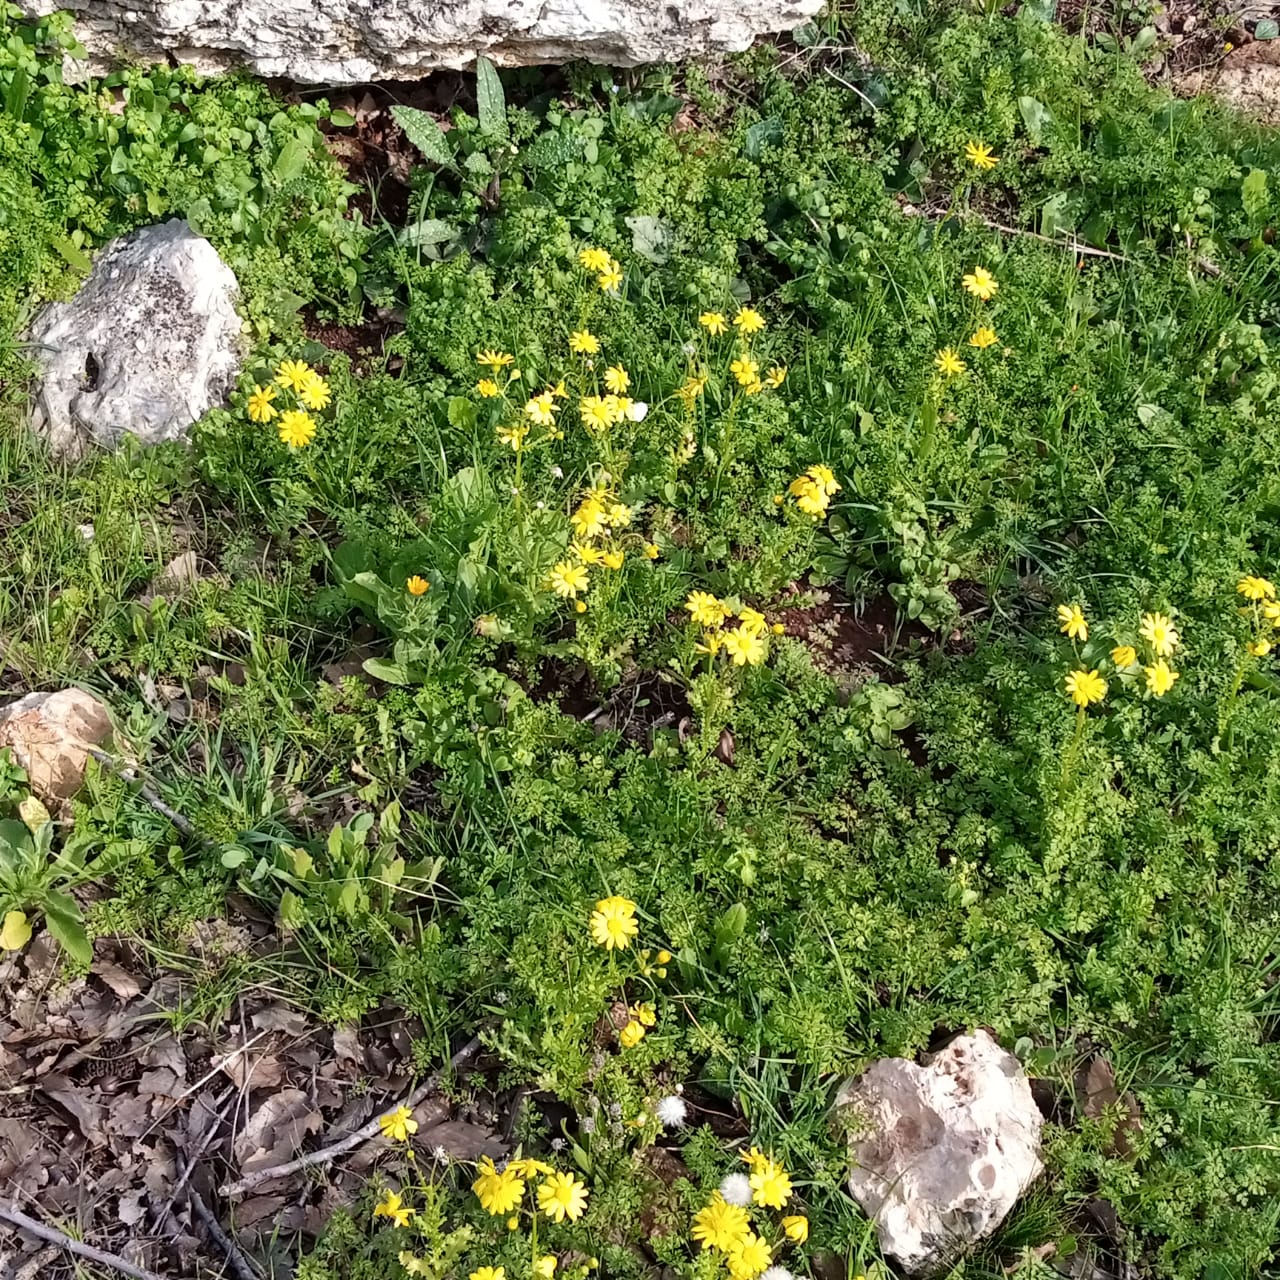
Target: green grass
(899,846)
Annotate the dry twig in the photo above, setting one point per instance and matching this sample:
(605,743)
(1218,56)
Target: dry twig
(15,1217)
(327,1155)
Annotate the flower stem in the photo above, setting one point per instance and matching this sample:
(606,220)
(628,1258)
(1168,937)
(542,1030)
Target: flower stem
(1070,754)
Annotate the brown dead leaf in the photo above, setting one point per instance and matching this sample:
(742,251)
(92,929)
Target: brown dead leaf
(123,984)
(462,1141)
(276,1130)
(75,1101)
(1097,1093)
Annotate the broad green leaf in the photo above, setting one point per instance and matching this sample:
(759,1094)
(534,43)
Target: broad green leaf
(1267,29)
(15,100)
(1253,193)
(1036,116)
(16,931)
(425,232)
(342,119)
(390,672)
(425,134)
(762,134)
(292,160)
(650,237)
(491,102)
(73,255)
(33,814)
(62,917)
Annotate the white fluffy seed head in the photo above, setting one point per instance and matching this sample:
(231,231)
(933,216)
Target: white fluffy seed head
(736,1189)
(672,1111)
(637,410)
(777,1273)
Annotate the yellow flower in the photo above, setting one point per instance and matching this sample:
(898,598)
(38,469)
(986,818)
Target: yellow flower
(755,1159)
(983,337)
(948,363)
(691,389)
(579,606)
(413,1264)
(598,414)
(616,379)
(979,155)
(296,428)
(1160,678)
(770,1185)
(1158,631)
(619,515)
(754,388)
(488,1273)
(1250,587)
(583,342)
(562,1196)
(397,1125)
(560,391)
(1073,622)
(613,559)
(1124,655)
(746,648)
(498,1193)
(796,1226)
(711,643)
(1085,687)
(587,554)
(541,408)
(1260,648)
(545,1266)
(645,1013)
(260,407)
(714,323)
(824,478)
(775,376)
(981,283)
(749,1258)
(594,259)
(720,1225)
(705,609)
(293,374)
(589,520)
(391,1206)
(567,579)
(528,1167)
(650,550)
(1271,611)
(613,923)
(488,388)
(514,435)
(814,490)
(751,620)
(631,1035)
(494,360)
(513,1224)
(748,321)
(314,392)
(415,586)
(745,371)
(610,279)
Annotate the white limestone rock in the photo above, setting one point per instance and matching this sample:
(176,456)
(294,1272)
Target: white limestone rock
(149,342)
(942,1151)
(51,735)
(349,41)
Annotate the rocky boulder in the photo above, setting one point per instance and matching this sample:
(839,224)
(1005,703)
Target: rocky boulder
(941,1151)
(334,41)
(149,342)
(51,736)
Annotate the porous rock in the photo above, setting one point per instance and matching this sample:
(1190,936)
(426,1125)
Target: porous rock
(350,41)
(941,1151)
(149,342)
(51,735)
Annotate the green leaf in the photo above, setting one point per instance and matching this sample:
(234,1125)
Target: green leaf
(292,160)
(62,916)
(1253,193)
(390,672)
(651,237)
(762,134)
(342,119)
(462,413)
(1036,116)
(1267,29)
(15,101)
(427,231)
(71,253)
(425,134)
(491,102)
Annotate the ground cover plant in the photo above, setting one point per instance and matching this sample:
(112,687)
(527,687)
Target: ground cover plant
(705,580)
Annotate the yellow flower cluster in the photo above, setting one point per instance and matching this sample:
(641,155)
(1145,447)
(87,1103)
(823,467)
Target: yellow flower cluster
(1159,637)
(724,1225)
(1264,610)
(814,490)
(745,369)
(597,522)
(559,1196)
(980,283)
(640,1018)
(608,270)
(745,644)
(310,393)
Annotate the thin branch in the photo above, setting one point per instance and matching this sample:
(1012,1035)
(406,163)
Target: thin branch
(223,1103)
(241,1265)
(327,1155)
(146,792)
(1085,250)
(15,1217)
(853,88)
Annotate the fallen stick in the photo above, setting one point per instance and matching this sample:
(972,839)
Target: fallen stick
(147,793)
(235,1256)
(16,1218)
(327,1155)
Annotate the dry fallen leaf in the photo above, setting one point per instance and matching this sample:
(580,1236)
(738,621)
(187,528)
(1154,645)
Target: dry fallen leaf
(276,1130)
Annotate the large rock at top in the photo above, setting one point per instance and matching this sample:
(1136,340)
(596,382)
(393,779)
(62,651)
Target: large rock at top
(347,41)
(941,1151)
(150,341)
